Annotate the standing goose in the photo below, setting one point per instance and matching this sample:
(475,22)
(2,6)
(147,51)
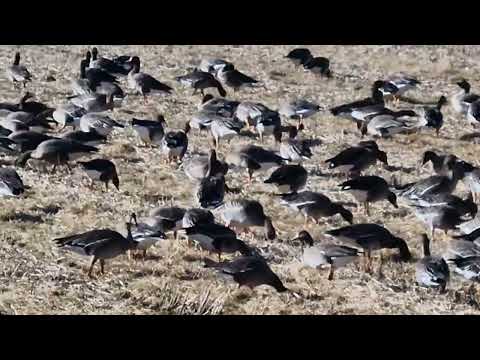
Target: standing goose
(170,218)
(82,85)
(100,244)
(174,144)
(315,206)
(298,109)
(288,178)
(442,163)
(102,170)
(200,80)
(356,159)
(18,73)
(107,65)
(235,79)
(91,138)
(248,111)
(26,140)
(462,100)
(368,189)
(210,192)
(335,256)
(241,214)
(97,75)
(102,124)
(318,65)
(68,115)
(143,83)
(248,270)
(371,237)
(57,152)
(433,115)
(225,128)
(195,216)
(11,183)
(150,131)
(442,217)
(299,56)
(294,150)
(146,234)
(199,167)
(431,271)
(269,124)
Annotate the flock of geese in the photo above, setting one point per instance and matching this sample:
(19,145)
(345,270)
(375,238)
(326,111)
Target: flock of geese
(27,130)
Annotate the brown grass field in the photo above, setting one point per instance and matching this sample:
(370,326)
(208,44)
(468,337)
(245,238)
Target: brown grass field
(38,278)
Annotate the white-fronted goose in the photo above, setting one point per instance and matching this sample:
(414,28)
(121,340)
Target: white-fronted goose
(17,73)
(91,138)
(218,106)
(299,56)
(101,170)
(108,65)
(383,125)
(82,85)
(269,124)
(431,271)
(68,115)
(242,214)
(403,82)
(97,75)
(100,123)
(100,244)
(298,109)
(150,131)
(10,182)
(171,218)
(143,83)
(460,248)
(442,163)
(463,207)
(441,217)
(233,78)
(225,128)
(26,140)
(288,178)
(468,267)
(14,125)
(315,206)
(212,65)
(248,111)
(210,192)
(369,189)
(200,80)
(371,237)
(294,150)
(195,216)
(433,115)
(37,123)
(462,100)
(174,143)
(93,102)
(201,166)
(146,234)
(318,65)
(316,256)
(472,179)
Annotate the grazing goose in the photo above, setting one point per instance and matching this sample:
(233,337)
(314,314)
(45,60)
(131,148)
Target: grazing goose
(433,115)
(26,140)
(10,182)
(82,85)
(218,106)
(248,270)
(269,124)
(441,217)
(298,109)
(212,65)
(442,163)
(102,170)
(31,107)
(146,234)
(200,80)
(288,178)
(102,124)
(91,138)
(369,189)
(318,65)
(210,192)
(359,109)
(56,151)
(315,206)
(473,113)
(18,73)
(195,216)
(462,100)
(354,160)
(294,150)
(241,214)
(143,83)
(383,125)
(199,167)
(249,111)
(225,128)
(253,158)
(150,131)
(371,237)
(431,271)
(233,78)
(100,244)
(174,143)
(171,218)
(93,102)
(299,56)
(316,256)
(68,115)
(110,66)
(216,238)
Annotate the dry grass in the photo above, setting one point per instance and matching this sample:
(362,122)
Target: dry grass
(37,278)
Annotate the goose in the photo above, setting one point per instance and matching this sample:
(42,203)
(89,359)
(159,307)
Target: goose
(196,216)
(242,214)
(171,218)
(473,113)
(472,180)
(442,163)
(26,140)
(224,128)
(199,167)
(442,217)
(82,85)
(316,256)
(11,183)
(102,170)
(107,65)
(203,120)
(37,123)
(146,234)
(431,271)
(468,267)
(370,237)
(93,102)
(68,115)
(91,138)
(100,244)
(17,73)
(123,61)
(388,125)
(403,82)
(56,151)
(299,56)
(143,83)
(248,111)
(288,178)
(200,80)
(31,107)
(294,150)
(97,75)
(150,131)
(210,192)
(216,238)
(218,106)
(356,159)
(174,143)
(233,78)
(433,115)
(388,89)
(473,237)
(298,109)
(248,270)
(461,101)
(318,65)
(14,125)
(314,206)
(110,90)
(102,124)
(357,110)
(17,106)
(269,124)
(253,158)
(212,65)
(369,189)
(463,246)
(463,207)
